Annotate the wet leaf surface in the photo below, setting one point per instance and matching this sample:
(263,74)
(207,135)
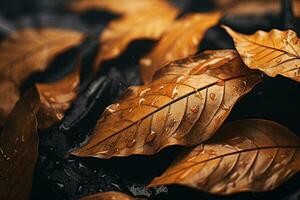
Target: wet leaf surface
(196,92)
(19,148)
(275,52)
(246,155)
(180,40)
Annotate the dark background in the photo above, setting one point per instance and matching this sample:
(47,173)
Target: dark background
(58,176)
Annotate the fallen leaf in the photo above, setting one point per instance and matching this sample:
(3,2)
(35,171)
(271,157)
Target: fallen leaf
(9,96)
(108,196)
(19,148)
(56,98)
(147,23)
(247,155)
(248,7)
(27,51)
(196,92)
(275,52)
(180,40)
(116,6)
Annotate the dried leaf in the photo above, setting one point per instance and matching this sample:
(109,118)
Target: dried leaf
(247,155)
(275,52)
(147,23)
(180,40)
(30,50)
(9,96)
(19,148)
(249,7)
(116,6)
(56,98)
(108,196)
(197,91)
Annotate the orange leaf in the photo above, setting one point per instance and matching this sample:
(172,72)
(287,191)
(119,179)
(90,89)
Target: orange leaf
(247,155)
(196,92)
(275,52)
(56,98)
(108,196)
(180,40)
(30,50)
(19,148)
(147,23)
(116,6)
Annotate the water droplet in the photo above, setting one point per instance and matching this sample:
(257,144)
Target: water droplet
(231,184)
(234,175)
(144,91)
(60,185)
(151,137)
(195,108)
(104,152)
(278,60)
(141,101)
(212,96)
(179,79)
(225,107)
(175,92)
(277,166)
(154,101)
(146,61)
(131,143)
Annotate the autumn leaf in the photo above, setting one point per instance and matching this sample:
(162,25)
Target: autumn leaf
(108,196)
(27,51)
(247,155)
(275,52)
(9,96)
(252,7)
(145,23)
(180,40)
(195,92)
(116,6)
(19,148)
(56,98)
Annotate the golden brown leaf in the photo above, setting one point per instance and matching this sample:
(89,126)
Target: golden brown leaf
(249,7)
(19,148)
(247,155)
(195,92)
(9,96)
(108,196)
(56,98)
(275,52)
(180,40)
(116,6)
(147,23)
(30,50)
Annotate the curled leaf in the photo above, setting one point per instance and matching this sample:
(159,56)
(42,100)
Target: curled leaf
(30,50)
(180,40)
(275,52)
(247,155)
(116,6)
(195,92)
(147,23)
(19,148)
(108,196)
(56,98)
(9,96)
